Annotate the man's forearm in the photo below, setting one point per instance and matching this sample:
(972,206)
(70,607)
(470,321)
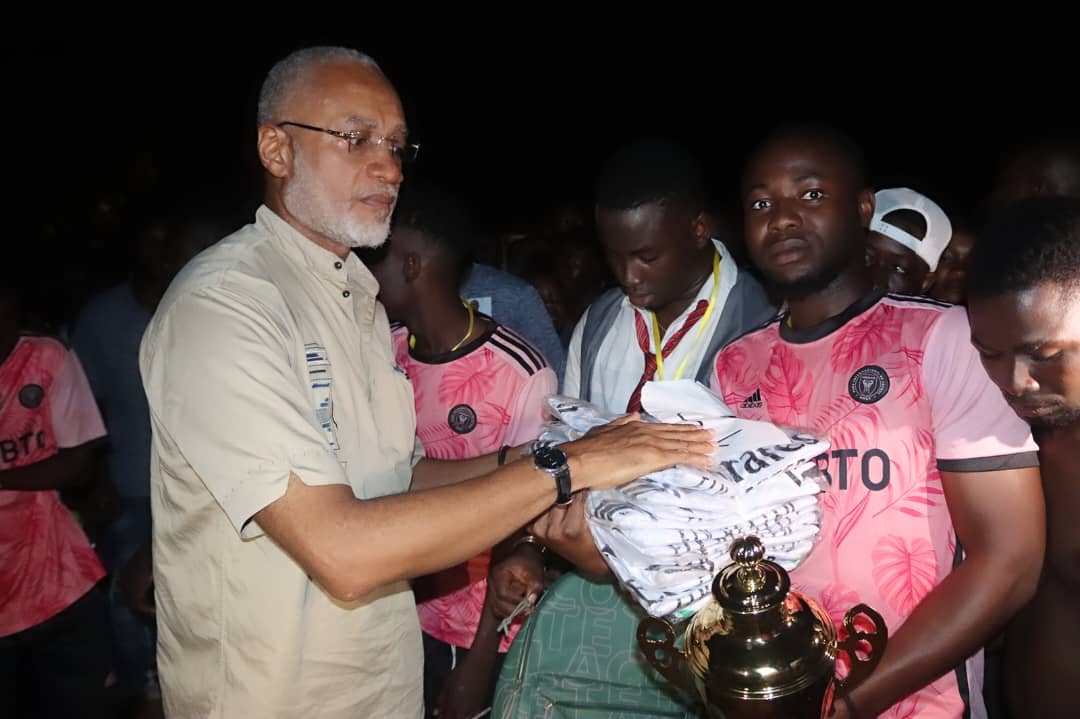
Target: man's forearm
(353,547)
(66,468)
(947,627)
(431,473)
(486,642)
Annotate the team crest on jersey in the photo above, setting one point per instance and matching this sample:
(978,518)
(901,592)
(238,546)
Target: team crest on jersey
(462,419)
(31,396)
(869,384)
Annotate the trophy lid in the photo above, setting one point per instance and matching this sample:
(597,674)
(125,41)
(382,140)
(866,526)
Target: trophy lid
(752,584)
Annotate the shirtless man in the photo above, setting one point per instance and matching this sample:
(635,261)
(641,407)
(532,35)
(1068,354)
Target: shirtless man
(1024,308)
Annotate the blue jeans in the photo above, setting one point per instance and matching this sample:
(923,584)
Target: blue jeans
(133,637)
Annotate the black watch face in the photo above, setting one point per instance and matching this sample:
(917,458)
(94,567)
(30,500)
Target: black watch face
(550,458)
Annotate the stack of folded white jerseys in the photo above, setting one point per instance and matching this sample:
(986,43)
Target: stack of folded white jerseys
(667,535)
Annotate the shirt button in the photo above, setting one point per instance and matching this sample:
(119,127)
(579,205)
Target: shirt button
(346,293)
(337,265)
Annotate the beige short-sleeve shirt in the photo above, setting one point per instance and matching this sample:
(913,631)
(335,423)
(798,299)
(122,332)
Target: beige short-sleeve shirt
(270,355)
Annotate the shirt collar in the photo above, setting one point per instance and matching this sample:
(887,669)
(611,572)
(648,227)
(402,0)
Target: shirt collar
(320,261)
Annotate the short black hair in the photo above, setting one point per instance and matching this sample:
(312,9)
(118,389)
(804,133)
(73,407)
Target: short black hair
(648,171)
(442,220)
(843,144)
(1031,242)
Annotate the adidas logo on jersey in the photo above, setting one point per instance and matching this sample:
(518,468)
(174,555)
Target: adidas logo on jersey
(753,401)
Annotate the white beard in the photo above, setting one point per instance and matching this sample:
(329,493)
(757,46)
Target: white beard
(305,200)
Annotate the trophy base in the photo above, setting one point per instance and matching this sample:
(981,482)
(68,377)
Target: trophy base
(813,702)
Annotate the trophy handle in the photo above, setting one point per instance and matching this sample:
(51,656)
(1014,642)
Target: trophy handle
(662,653)
(861,668)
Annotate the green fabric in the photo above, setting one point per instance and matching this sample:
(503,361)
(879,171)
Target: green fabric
(577,658)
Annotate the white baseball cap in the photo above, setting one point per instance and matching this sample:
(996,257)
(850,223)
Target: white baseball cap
(938,227)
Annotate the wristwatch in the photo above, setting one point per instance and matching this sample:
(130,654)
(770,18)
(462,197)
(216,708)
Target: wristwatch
(553,461)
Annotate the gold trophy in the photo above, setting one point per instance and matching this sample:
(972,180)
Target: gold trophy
(759,650)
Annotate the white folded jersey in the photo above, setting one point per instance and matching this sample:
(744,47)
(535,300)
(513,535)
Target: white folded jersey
(666,535)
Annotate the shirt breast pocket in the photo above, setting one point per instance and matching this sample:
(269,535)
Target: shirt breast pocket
(395,410)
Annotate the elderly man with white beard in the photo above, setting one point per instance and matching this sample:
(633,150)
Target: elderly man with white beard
(291,500)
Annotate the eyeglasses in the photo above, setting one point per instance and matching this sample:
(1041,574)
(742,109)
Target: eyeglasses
(365,140)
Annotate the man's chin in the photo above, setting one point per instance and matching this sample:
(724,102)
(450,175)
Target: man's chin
(797,288)
(366,236)
(643,301)
(368,244)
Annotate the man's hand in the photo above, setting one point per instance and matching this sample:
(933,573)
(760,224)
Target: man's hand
(565,531)
(625,449)
(518,575)
(136,582)
(628,448)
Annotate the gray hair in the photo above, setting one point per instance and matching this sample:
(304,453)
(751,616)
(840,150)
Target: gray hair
(289,72)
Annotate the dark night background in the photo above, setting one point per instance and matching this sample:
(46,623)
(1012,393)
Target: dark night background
(102,127)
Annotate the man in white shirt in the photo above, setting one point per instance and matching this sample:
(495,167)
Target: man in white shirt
(681,296)
(290,499)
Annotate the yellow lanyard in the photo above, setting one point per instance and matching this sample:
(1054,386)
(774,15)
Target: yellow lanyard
(657,339)
(472,317)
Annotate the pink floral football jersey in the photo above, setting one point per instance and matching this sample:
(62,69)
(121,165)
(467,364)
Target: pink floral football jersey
(46,561)
(470,403)
(895,386)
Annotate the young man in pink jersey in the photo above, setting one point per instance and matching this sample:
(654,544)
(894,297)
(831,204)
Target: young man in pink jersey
(478,387)
(1025,322)
(52,614)
(926,457)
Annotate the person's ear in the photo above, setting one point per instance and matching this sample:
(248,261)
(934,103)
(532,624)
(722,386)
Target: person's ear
(701,227)
(275,151)
(866,207)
